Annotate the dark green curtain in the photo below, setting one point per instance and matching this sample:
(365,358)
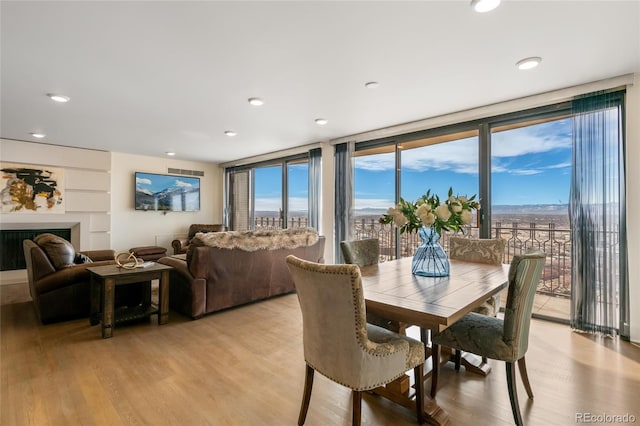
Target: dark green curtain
(597,214)
(315,185)
(343,195)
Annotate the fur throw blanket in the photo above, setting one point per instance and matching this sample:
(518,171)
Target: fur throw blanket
(257,240)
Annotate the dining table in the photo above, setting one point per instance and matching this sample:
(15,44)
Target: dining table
(393,292)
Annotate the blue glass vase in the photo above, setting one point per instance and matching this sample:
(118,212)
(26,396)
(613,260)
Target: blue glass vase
(430,260)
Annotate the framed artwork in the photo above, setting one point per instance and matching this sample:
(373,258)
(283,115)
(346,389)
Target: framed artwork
(31,189)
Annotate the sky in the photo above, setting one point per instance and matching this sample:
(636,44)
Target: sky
(530,165)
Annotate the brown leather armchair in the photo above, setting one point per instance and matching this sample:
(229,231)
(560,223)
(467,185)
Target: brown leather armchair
(181,245)
(59,282)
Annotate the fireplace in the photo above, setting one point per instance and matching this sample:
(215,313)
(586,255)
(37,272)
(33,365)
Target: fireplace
(11,251)
(12,235)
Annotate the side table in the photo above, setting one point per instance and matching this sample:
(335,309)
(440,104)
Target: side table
(105,279)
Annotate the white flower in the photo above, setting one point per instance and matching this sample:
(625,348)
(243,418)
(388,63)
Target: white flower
(428,219)
(400,220)
(443,212)
(466,216)
(456,206)
(423,209)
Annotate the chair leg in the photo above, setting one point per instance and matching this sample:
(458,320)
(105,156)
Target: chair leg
(418,374)
(357,405)
(424,335)
(525,377)
(513,394)
(435,369)
(457,358)
(306,397)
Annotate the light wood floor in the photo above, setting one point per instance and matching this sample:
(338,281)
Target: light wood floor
(245,367)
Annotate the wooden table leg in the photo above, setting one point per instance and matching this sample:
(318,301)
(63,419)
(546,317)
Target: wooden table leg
(94,314)
(108,293)
(163,298)
(433,413)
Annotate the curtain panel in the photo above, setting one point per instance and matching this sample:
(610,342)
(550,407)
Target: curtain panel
(343,196)
(597,215)
(315,186)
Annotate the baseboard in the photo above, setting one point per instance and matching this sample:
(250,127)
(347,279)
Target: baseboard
(13,277)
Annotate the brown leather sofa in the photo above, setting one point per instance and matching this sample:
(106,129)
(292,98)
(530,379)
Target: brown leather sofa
(211,278)
(181,245)
(59,282)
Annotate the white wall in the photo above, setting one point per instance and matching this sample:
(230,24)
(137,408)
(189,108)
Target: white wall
(134,228)
(633,203)
(86,192)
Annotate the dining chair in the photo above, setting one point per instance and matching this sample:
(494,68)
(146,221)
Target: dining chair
(338,342)
(489,251)
(365,253)
(504,340)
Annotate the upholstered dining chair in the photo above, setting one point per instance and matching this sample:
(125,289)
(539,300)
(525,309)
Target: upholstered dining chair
(364,253)
(489,251)
(338,342)
(504,340)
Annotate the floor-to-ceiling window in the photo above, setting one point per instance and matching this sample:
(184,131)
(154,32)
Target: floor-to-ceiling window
(530,184)
(520,166)
(268,206)
(297,212)
(269,195)
(374,192)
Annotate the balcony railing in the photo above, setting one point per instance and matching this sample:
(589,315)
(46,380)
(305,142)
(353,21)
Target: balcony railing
(555,242)
(276,222)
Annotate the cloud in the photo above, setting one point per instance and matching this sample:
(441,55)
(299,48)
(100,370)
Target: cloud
(461,156)
(373,203)
(525,172)
(274,204)
(558,166)
(143,181)
(143,190)
(181,183)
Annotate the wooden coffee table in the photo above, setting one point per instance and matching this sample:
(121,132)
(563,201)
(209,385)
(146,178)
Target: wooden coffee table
(105,279)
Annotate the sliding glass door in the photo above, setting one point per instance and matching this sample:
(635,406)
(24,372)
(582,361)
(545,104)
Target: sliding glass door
(530,185)
(271,195)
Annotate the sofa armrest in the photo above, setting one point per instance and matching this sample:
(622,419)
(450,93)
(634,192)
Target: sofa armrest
(99,255)
(188,294)
(179,265)
(179,245)
(67,276)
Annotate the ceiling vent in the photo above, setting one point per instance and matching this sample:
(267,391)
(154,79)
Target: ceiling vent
(186,172)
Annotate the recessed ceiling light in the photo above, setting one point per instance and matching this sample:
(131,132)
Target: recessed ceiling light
(170,153)
(482,6)
(230,133)
(256,101)
(372,85)
(58,98)
(38,135)
(528,63)
(321,121)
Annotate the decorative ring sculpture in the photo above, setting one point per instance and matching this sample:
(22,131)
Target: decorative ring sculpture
(127,260)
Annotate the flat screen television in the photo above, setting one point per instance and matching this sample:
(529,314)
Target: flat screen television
(168,193)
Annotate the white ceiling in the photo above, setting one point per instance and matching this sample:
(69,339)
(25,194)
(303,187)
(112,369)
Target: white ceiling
(150,77)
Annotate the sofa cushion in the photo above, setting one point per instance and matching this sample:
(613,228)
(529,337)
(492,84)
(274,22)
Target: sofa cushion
(59,251)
